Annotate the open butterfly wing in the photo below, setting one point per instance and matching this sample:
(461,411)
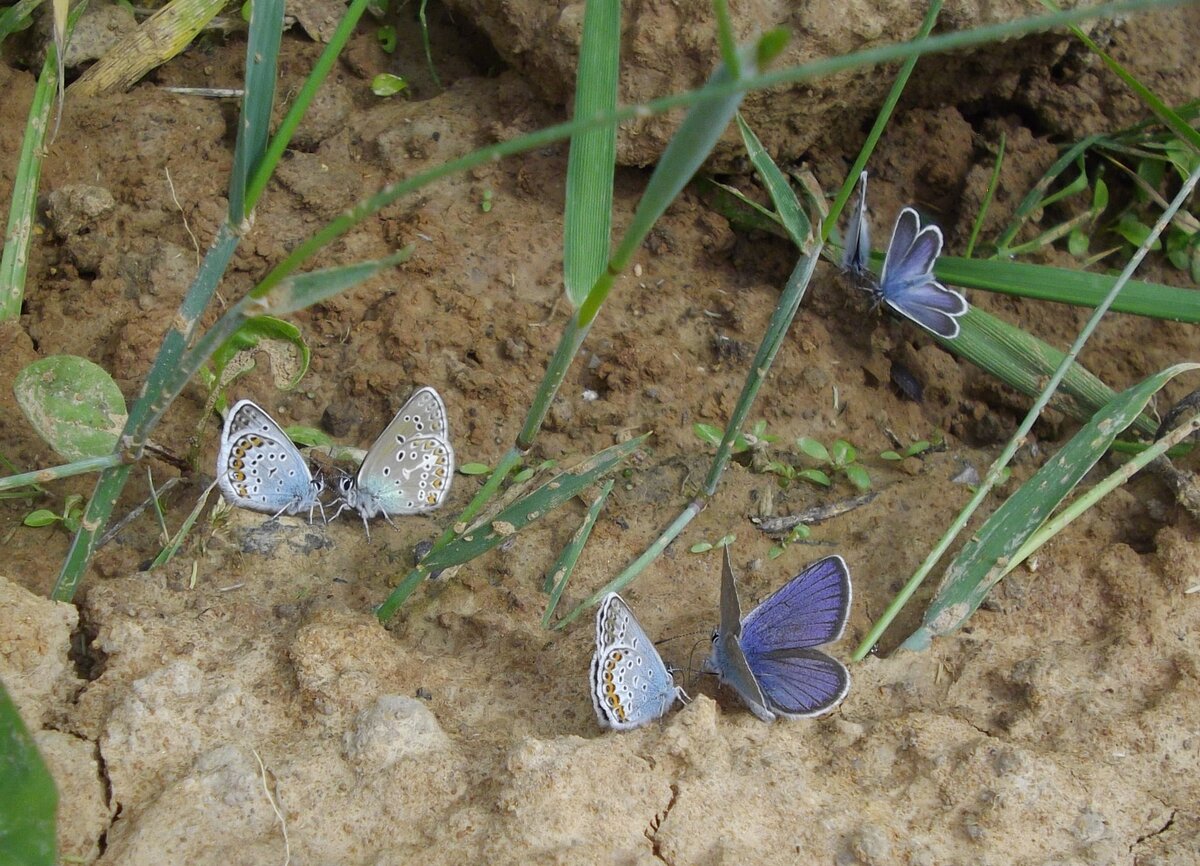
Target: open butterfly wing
(807,611)
(904,232)
(799,683)
(932,306)
(911,254)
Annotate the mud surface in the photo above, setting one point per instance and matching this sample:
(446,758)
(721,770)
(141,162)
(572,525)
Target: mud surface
(180,708)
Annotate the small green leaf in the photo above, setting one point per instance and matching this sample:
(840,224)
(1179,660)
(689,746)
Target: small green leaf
(814,449)
(816,476)
(73,404)
(386,84)
(246,11)
(474,469)
(41,517)
(1134,231)
(308,437)
(700,547)
(727,540)
(775,552)
(889,455)
(918,447)
(281,341)
(843,453)
(858,476)
(781,469)
(386,37)
(708,433)
(1078,242)
(485,205)
(1099,197)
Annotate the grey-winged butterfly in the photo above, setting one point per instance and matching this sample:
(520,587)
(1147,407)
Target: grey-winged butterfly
(409,467)
(259,468)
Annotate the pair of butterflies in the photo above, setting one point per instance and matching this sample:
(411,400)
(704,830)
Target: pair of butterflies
(769,658)
(907,283)
(407,470)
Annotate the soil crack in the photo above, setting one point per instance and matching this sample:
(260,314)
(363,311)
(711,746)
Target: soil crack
(1155,833)
(657,821)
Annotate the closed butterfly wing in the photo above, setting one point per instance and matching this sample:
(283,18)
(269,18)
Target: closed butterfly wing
(259,468)
(630,684)
(778,637)
(858,234)
(409,467)
(727,660)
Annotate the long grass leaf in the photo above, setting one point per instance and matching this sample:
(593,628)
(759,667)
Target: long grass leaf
(1064,286)
(254,127)
(476,541)
(587,221)
(28,798)
(987,556)
(560,575)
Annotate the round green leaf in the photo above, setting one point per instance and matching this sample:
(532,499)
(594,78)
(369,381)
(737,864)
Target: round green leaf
(73,404)
(858,476)
(813,449)
(386,84)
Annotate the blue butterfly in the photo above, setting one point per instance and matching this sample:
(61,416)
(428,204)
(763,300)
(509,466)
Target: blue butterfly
(769,657)
(907,284)
(630,684)
(858,235)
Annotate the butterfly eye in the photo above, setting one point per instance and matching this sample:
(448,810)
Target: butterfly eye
(716,634)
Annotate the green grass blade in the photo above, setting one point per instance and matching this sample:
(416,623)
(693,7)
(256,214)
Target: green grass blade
(15,17)
(22,212)
(1064,286)
(560,575)
(304,290)
(881,121)
(478,540)
(993,183)
(167,553)
(787,207)
(1033,199)
(587,224)
(1024,362)
(987,556)
(688,148)
(304,97)
(28,798)
(254,125)
(57,473)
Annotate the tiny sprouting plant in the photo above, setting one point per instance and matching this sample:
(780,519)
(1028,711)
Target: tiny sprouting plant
(841,457)
(799,532)
(753,440)
(706,546)
(69,519)
(913,450)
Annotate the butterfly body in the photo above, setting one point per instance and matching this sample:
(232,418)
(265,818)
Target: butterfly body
(409,467)
(907,283)
(630,685)
(259,468)
(770,657)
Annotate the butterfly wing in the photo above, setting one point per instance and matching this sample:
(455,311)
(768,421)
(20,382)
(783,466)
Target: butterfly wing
(799,683)
(904,232)
(409,467)
(728,661)
(258,467)
(617,626)
(630,684)
(858,234)
(811,609)
(932,306)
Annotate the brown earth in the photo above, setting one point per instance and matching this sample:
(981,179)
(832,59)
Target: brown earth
(178,708)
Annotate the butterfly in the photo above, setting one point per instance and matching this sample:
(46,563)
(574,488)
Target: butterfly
(630,684)
(769,657)
(409,468)
(259,468)
(858,235)
(907,284)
